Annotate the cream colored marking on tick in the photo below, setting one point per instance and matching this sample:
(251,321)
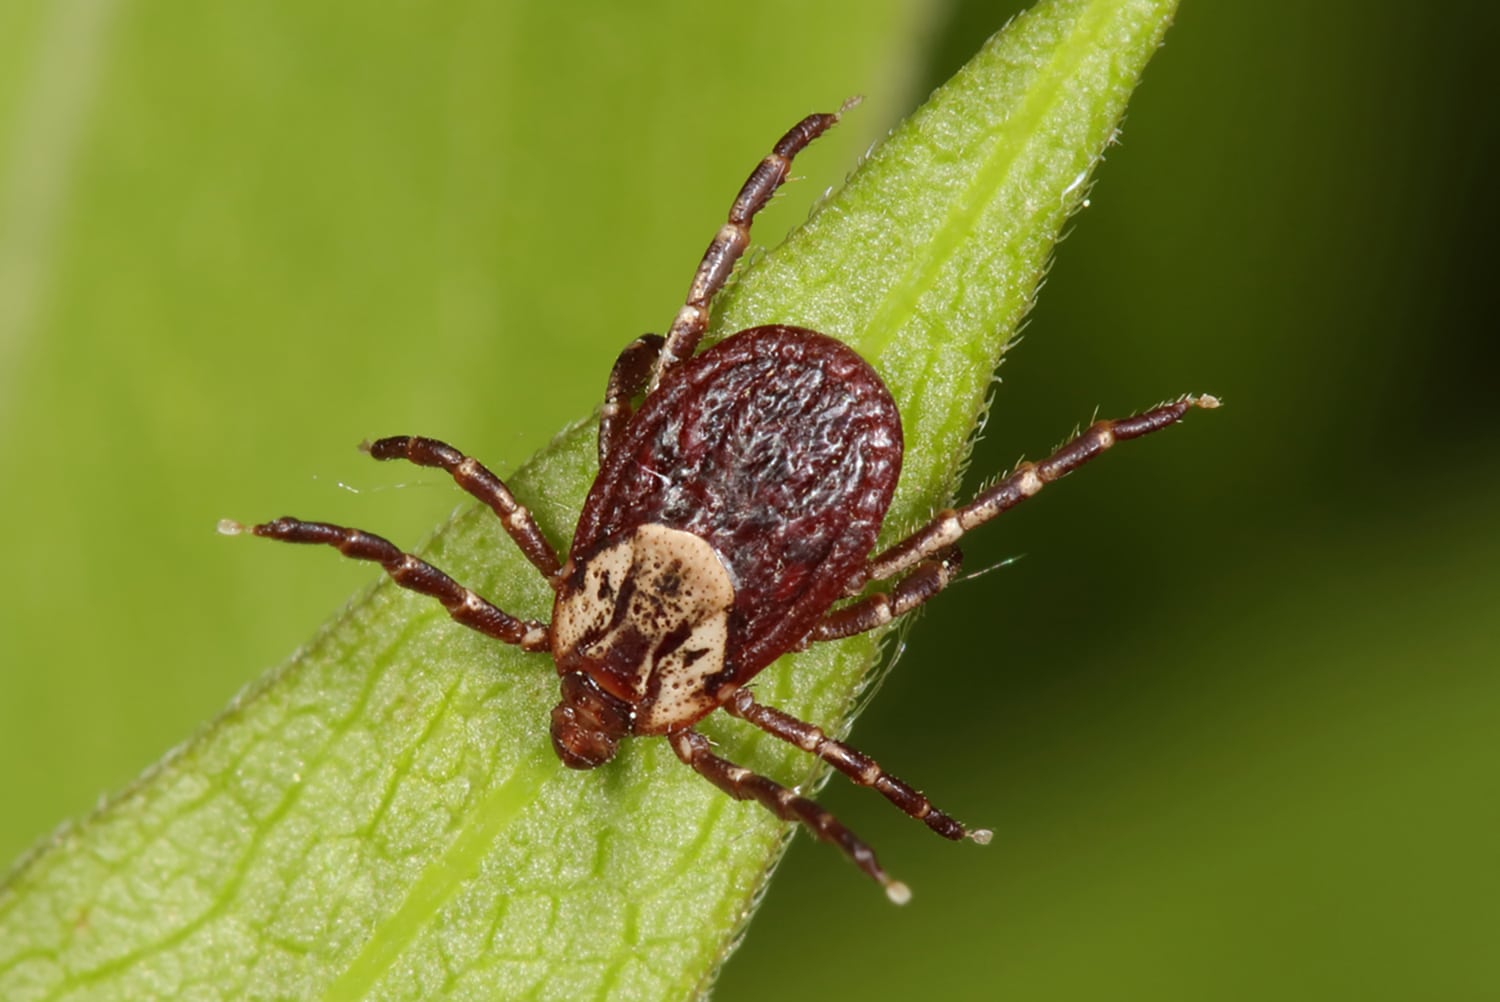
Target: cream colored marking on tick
(587,610)
(732,233)
(950,530)
(690,314)
(677,582)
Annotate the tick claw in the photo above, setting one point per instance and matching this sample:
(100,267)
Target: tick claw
(981,836)
(898,892)
(229,527)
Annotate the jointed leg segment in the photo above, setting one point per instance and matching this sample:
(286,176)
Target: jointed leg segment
(474,477)
(852,763)
(629,376)
(409,572)
(920,584)
(1029,478)
(742,784)
(734,236)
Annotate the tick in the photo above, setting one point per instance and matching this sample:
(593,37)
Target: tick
(734,518)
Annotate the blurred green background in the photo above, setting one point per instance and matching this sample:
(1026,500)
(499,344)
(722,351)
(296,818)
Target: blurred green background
(1234,716)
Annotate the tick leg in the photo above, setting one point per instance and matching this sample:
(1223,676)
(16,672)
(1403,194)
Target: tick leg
(742,784)
(474,477)
(409,572)
(852,763)
(734,236)
(1027,479)
(629,377)
(922,583)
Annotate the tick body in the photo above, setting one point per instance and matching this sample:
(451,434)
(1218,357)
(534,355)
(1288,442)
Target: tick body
(740,494)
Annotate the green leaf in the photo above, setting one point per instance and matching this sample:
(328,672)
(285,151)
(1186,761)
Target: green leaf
(384,817)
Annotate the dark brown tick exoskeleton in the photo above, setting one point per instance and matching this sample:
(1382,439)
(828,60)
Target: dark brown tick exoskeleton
(733,520)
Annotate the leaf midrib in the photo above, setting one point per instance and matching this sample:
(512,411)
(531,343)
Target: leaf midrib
(962,219)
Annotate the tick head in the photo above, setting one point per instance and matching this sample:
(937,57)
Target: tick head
(588,723)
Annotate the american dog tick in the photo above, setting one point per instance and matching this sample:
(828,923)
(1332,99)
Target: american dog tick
(734,509)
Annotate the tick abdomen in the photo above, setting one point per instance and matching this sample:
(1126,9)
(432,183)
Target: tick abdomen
(780,448)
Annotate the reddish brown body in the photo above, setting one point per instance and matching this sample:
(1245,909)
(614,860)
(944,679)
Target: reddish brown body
(780,448)
(731,515)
